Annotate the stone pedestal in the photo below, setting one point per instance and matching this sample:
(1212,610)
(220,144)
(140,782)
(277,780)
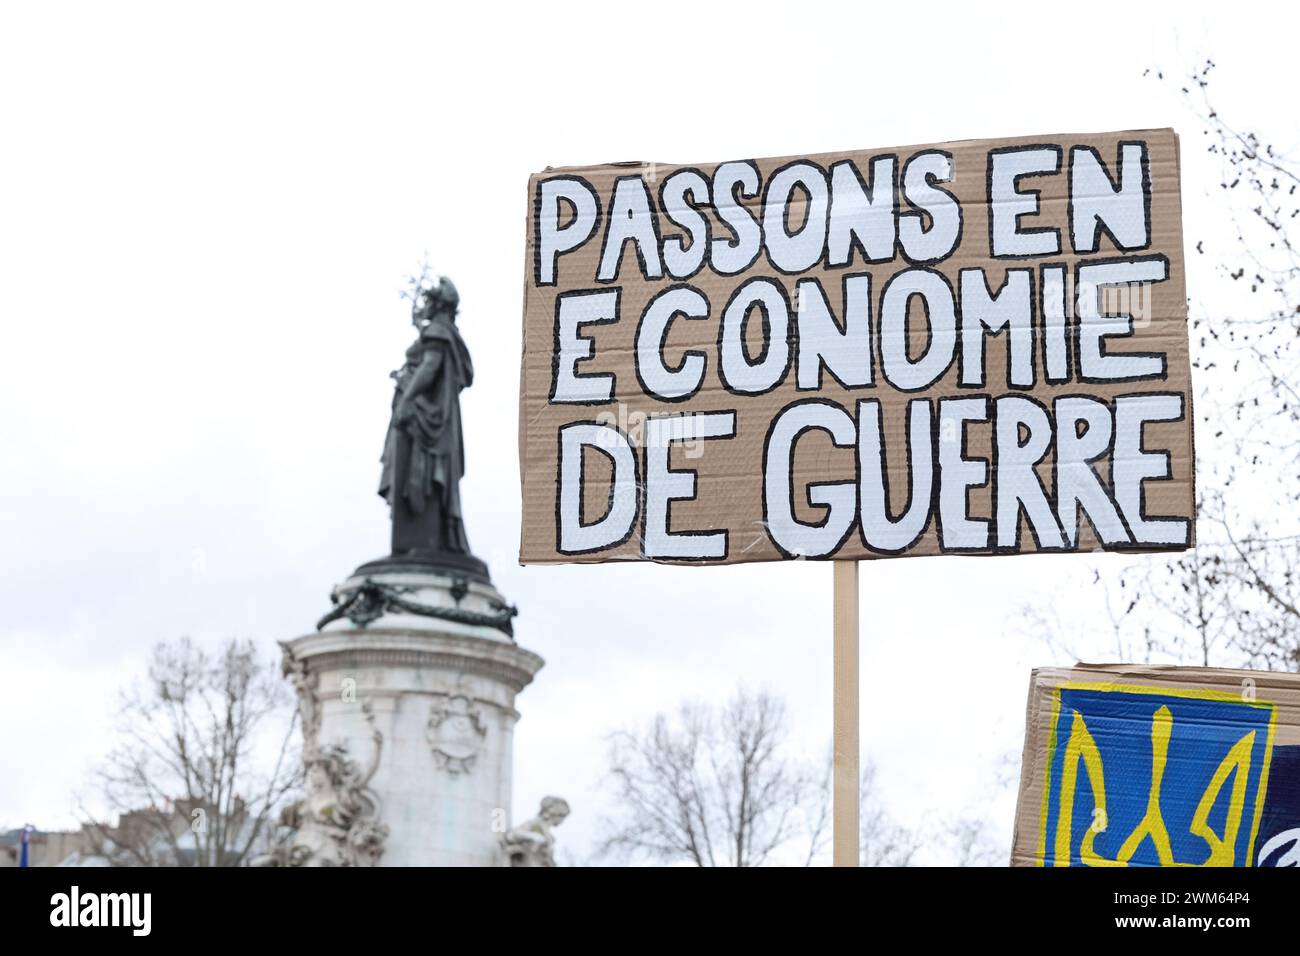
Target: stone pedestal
(420,665)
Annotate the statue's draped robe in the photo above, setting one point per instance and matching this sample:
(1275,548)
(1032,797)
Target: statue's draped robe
(424,453)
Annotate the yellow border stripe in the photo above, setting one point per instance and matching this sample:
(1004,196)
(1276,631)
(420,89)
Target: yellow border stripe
(1263,788)
(1047,777)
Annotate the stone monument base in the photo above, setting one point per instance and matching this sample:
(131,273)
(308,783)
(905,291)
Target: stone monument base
(419,668)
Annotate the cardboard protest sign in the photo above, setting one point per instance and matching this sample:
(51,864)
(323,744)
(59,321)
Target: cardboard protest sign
(964,348)
(1160,766)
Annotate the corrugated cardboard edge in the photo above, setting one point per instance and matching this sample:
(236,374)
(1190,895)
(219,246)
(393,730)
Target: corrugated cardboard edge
(869,150)
(1030,769)
(1191,365)
(523,343)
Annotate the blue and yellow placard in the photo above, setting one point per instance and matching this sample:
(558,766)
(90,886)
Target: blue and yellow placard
(1150,776)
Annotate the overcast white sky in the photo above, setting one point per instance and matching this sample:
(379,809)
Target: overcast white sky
(205,219)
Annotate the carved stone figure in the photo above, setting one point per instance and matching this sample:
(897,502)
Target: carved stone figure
(532,843)
(424,453)
(304,685)
(337,823)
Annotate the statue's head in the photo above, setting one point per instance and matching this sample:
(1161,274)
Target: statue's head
(439,301)
(328,768)
(367,839)
(317,777)
(554,810)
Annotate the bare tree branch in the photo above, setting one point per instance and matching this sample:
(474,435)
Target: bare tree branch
(186,780)
(714,788)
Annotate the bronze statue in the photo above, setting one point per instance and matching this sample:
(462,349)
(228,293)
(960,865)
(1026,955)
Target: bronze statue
(424,453)
(423,463)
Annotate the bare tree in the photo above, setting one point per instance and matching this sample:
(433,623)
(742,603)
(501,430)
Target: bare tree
(718,787)
(204,763)
(715,787)
(882,842)
(968,841)
(1234,599)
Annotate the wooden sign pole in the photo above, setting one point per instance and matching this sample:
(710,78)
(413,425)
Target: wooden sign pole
(844,767)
